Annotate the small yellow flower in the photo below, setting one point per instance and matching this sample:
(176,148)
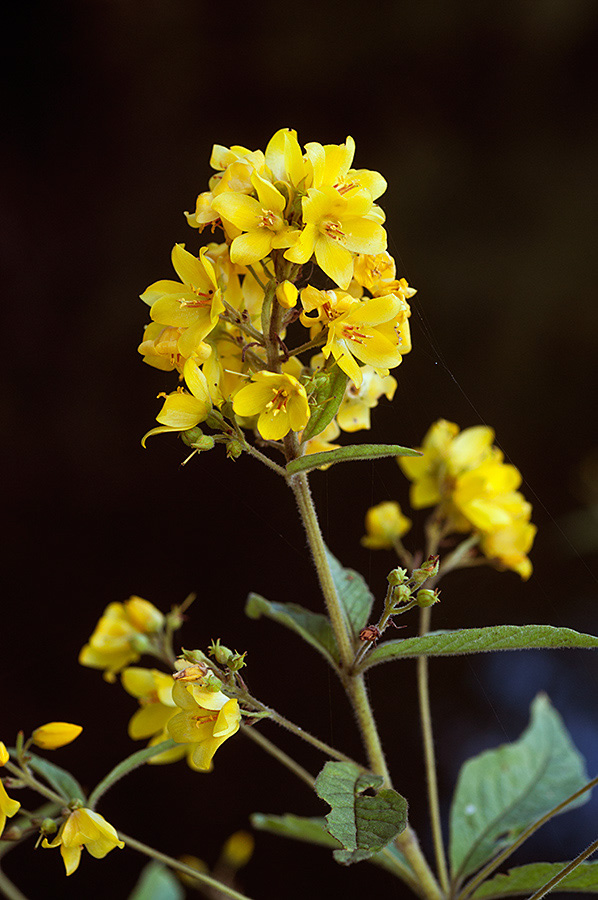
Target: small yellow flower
(84,828)
(153,690)
(118,634)
(510,545)
(4,754)
(354,411)
(279,400)
(384,524)
(206,720)
(182,411)
(8,807)
(55,734)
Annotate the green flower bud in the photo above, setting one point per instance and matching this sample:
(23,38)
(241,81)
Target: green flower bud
(191,436)
(49,826)
(426,598)
(401,594)
(234,448)
(397,576)
(428,569)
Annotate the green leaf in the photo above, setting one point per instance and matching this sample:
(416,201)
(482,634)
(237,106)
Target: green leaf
(313,831)
(128,765)
(326,403)
(156,882)
(364,818)
(312,627)
(530,878)
(299,828)
(61,780)
(353,593)
(347,454)
(480,640)
(502,791)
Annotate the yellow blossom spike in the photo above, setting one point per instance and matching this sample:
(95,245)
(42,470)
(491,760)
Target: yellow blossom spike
(55,734)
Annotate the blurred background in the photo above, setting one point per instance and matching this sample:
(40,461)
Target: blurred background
(482,118)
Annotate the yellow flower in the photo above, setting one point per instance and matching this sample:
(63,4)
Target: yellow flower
(384,523)
(8,807)
(446,454)
(367,331)
(84,828)
(286,294)
(331,166)
(119,634)
(206,720)
(261,219)
(182,411)
(354,411)
(336,228)
(55,734)
(193,304)
(487,495)
(153,690)
(509,546)
(4,754)
(279,400)
(162,347)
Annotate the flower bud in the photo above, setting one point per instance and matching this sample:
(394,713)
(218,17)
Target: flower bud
(225,657)
(427,598)
(428,569)
(191,436)
(286,294)
(237,850)
(48,826)
(143,615)
(55,734)
(401,594)
(4,755)
(234,448)
(397,576)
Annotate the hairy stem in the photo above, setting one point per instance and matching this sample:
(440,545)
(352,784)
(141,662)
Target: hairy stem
(279,754)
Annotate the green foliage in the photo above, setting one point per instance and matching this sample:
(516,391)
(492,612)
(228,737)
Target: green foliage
(327,400)
(363,818)
(353,592)
(347,454)
(156,882)
(501,792)
(59,779)
(527,879)
(480,640)
(312,627)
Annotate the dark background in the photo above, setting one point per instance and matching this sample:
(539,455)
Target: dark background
(482,118)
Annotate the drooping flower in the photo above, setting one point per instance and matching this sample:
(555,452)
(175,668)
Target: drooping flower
(153,690)
(207,719)
(55,734)
(119,634)
(280,401)
(84,828)
(8,806)
(384,524)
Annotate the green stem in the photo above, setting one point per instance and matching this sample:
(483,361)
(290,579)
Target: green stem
(300,732)
(488,869)
(181,867)
(429,755)
(357,691)
(31,782)
(279,754)
(564,872)
(300,487)
(253,451)
(257,278)
(10,890)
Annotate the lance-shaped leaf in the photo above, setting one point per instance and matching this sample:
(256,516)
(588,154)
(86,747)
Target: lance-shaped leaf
(364,817)
(528,879)
(326,402)
(480,640)
(156,882)
(501,792)
(353,593)
(347,454)
(312,627)
(62,781)
(312,830)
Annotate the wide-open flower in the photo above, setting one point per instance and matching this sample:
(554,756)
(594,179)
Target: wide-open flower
(8,806)
(182,411)
(336,228)
(367,331)
(117,637)
(384,524)
(206,720)
(280,401)
(194,303)
(262,219)
(84,828)
(331,166)
(153,690)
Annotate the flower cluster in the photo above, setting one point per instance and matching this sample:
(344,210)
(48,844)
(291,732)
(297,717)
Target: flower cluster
(224,325)
(465,476)
(122,634)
